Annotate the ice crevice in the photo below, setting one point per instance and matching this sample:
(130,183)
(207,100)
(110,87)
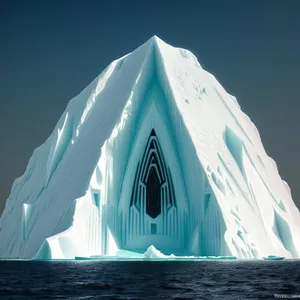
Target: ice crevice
(64,136)
(282,230)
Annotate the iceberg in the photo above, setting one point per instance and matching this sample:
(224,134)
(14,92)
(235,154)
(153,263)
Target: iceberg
(153,153)
(272,257)
(152,252)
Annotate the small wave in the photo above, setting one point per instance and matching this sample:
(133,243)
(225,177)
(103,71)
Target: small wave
(176,287)
(96,286)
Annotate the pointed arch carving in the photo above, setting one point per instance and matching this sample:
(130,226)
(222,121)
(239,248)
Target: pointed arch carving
(153,175)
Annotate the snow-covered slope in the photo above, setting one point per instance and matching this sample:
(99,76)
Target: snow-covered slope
(83,191)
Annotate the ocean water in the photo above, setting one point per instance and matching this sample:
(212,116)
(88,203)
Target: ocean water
(149,280)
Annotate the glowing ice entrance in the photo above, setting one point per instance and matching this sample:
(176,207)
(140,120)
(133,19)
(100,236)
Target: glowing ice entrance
(154,217)
(153,177)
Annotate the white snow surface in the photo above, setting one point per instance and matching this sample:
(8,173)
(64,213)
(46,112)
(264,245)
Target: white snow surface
(152,252)
(69,201)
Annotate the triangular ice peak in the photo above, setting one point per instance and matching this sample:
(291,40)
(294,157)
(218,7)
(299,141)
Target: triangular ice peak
(153,152)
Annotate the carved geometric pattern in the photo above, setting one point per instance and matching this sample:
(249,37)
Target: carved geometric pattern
(151,175)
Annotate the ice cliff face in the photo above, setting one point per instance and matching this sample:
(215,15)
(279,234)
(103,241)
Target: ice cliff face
(153,152)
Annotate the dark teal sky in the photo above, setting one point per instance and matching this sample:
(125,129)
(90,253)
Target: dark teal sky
(50,50)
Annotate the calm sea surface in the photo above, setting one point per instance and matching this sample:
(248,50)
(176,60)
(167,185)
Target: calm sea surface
(149,280)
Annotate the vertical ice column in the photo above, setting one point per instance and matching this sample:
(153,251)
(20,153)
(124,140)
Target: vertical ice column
(27,212)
